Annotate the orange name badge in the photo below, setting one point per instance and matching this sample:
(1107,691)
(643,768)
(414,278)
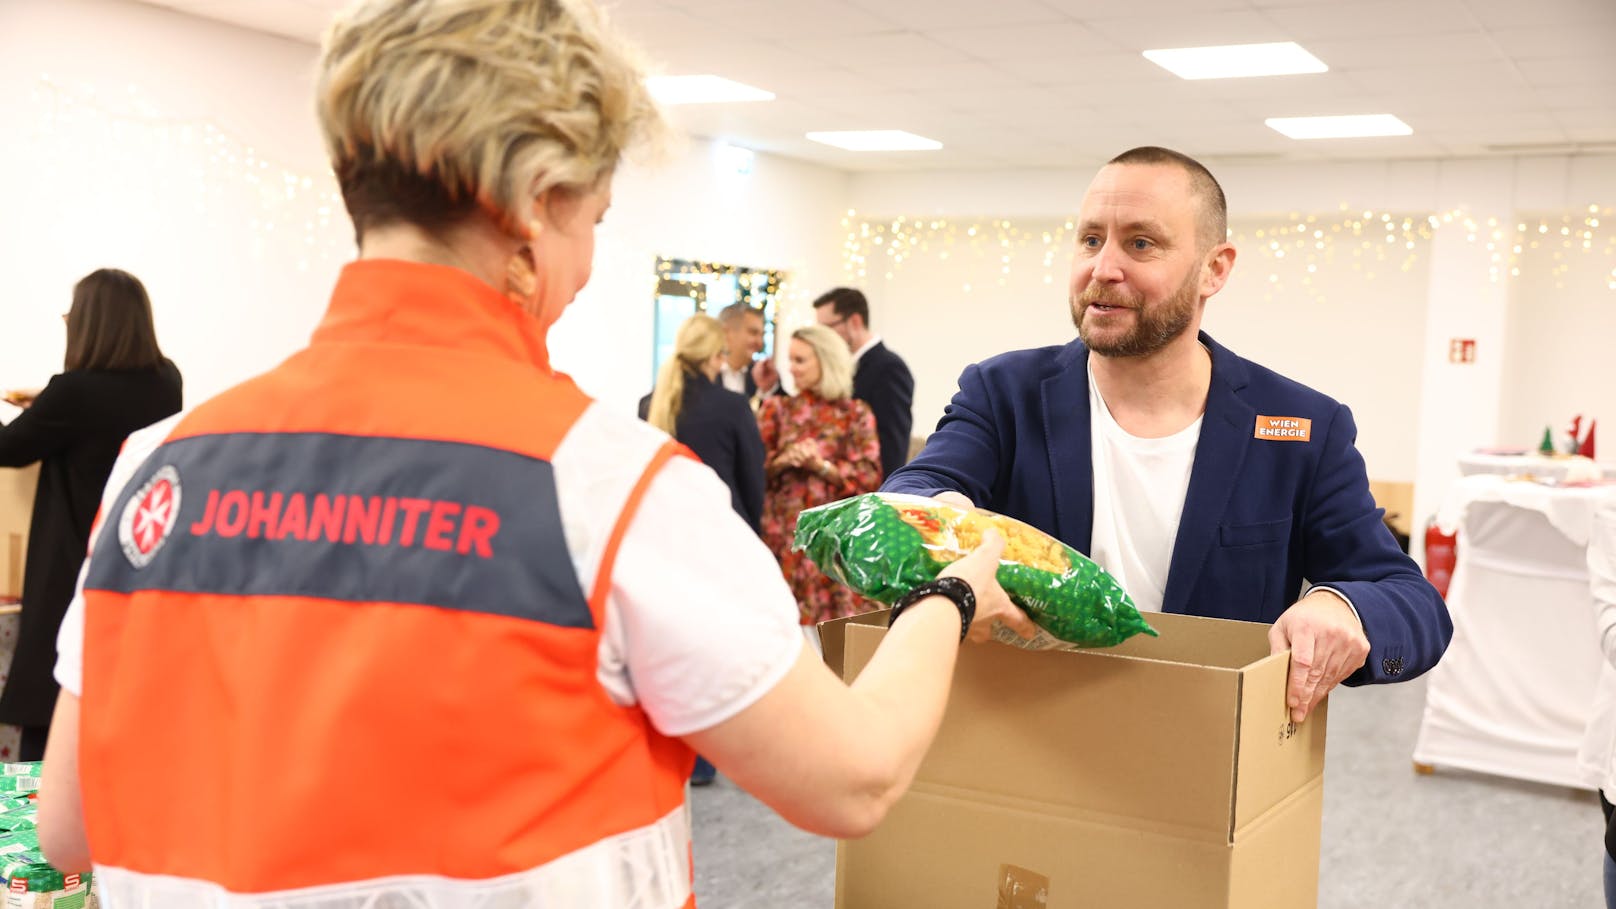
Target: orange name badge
(1284,429)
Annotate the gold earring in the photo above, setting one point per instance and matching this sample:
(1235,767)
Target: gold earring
(521,277)
(521,272)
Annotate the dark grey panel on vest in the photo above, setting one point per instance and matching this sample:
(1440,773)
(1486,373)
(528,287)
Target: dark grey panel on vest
(352,518)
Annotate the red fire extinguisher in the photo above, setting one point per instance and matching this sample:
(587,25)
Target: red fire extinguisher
(1441,554)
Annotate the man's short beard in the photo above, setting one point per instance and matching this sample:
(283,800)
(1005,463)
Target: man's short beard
(1155,326)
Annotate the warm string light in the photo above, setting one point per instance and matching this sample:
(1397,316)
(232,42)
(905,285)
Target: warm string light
(1371,241)
(902,239)
(284,202)
(668,268)
(776,286)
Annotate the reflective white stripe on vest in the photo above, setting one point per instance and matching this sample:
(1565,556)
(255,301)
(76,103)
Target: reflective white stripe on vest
(648,868)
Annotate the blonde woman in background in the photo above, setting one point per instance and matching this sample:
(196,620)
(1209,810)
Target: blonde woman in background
(716,424)
(709,419)
(820,445)
(428,626)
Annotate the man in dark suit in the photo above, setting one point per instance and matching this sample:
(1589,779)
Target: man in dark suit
(880,377)
(1208,484)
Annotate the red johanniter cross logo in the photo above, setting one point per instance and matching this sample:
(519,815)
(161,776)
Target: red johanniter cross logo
(150,517)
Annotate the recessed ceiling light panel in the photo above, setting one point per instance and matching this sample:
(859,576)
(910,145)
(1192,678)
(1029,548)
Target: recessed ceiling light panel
(1237,61)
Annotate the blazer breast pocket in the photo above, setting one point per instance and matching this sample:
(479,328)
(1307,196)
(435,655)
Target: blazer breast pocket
(1261,533)
(1249,568)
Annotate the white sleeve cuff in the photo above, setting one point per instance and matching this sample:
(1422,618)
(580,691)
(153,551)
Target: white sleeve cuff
(1343,598)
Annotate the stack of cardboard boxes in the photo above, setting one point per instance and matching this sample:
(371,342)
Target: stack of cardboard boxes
(16,512)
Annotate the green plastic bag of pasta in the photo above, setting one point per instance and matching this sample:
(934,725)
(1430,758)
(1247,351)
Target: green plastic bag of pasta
(883,545)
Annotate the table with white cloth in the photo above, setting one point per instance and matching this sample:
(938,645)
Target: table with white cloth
(1535,464)
(1598,757)
(1514,691)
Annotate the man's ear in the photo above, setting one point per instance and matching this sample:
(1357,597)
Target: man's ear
(1217,265)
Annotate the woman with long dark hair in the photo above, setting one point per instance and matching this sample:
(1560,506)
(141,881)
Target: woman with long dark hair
(115,380)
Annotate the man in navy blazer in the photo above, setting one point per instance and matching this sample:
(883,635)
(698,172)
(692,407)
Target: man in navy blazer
(1218,486)
(880,377)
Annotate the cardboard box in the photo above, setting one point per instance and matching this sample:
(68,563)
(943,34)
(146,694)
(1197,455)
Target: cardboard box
(16,514)
(1160,773)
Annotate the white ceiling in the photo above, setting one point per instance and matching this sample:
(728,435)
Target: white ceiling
(1059,83)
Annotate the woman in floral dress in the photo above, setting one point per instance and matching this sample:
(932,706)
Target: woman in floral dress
(819,446)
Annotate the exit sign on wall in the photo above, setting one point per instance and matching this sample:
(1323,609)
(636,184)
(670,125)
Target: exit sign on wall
(1462,350)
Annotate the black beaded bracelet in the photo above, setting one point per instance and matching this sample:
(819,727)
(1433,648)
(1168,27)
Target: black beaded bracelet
(957,590)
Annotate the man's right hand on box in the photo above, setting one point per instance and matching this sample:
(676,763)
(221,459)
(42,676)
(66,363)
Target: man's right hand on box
(1327,644)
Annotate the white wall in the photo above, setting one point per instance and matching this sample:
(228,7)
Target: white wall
(110,163)
(107,106)
(1352,328)
(1562,328)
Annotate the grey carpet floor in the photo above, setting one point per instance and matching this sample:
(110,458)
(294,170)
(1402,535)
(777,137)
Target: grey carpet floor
(1453,840)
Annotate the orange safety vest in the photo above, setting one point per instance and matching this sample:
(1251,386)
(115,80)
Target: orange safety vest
(335,645)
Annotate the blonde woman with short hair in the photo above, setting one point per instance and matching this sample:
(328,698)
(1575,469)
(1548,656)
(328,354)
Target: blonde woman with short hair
(820,446)
(410,618)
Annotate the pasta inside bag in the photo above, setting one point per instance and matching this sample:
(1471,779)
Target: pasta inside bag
(882,545)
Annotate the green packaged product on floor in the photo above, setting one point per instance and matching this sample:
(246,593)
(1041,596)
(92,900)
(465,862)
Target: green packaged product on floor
(18,785)
(883,545)
(28,871)
(22,819)
(18,842)
(21,768)
(75,893)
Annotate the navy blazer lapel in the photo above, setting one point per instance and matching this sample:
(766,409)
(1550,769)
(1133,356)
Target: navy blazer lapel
(1065,398)
(1226,431)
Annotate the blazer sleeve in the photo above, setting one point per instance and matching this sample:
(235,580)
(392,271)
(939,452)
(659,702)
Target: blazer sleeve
(1348,547)
(891,398)
(44,428)
(964,454)
(749,479)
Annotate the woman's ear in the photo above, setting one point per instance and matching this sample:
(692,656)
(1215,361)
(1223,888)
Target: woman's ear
(558,207)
